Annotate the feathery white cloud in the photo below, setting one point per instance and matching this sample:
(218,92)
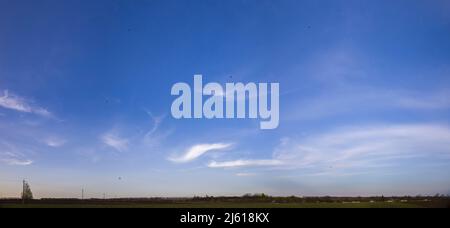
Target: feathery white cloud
(244,163)
(366,147)
(340,102)
(114,141)
(19,104)
(198,150)
(430,101)
(10,155)
(54,142)
(14,161)
(355,147)
(156,121)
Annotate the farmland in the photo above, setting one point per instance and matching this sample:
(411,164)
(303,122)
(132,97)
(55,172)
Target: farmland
(232,202)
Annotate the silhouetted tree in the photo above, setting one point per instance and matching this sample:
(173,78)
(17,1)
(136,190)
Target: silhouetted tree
(26,194)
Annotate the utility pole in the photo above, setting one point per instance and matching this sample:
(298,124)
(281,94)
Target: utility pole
(23,191)
(82,194)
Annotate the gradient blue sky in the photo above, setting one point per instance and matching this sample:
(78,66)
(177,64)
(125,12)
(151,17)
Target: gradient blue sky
(85,97)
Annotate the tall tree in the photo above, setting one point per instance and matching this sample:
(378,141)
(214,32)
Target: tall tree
(27,194)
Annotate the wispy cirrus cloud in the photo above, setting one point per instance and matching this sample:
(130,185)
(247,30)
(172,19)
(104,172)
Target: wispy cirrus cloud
(55,142)
(366,147)
(430,101)
(339,102)
(11,156)
(19,104)
(196,151)
(344,75)
(355,147)
(15,161)
(113,140)
(245,163)
(148,136)
(156,121)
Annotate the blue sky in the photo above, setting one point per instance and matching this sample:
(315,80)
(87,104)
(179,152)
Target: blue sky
(85,97)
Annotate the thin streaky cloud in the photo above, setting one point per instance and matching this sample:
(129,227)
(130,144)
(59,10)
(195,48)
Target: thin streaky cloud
(339,102)
(246,174)
(55,142)
(244,163)
(355,147)
(10,155)
(431,101)
(114,141)
(156,121)
(365,147)
(19,104)
(196,151)
(17,162)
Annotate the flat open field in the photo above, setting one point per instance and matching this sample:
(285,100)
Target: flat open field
(262,201)
(225,205)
